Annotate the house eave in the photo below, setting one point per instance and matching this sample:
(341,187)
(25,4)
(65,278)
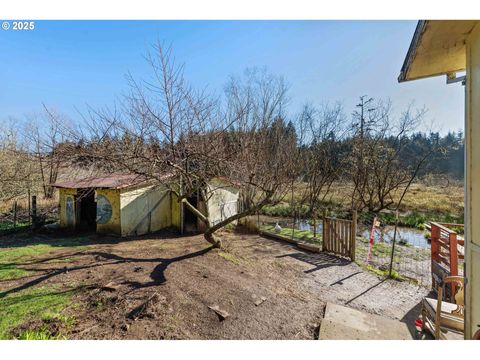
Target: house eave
(437,48)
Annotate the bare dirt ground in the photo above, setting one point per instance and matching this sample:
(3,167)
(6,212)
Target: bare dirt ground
(162,287)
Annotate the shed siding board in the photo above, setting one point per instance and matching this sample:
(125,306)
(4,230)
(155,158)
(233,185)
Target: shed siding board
(176,210)
(64,193)
(113,226)
(144,210)
(222,202)
(472,185)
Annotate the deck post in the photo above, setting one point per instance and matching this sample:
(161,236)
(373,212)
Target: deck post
(453,246)
(434,248)
(434,242)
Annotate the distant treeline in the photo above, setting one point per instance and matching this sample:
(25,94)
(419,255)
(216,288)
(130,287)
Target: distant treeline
(446,151)
(448,159)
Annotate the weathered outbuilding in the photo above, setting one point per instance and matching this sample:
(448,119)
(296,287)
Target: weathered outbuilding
(126,204)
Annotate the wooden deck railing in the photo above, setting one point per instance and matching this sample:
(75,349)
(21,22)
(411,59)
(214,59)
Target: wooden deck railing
(447,252)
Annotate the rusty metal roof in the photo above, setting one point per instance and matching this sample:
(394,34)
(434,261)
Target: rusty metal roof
(111,181)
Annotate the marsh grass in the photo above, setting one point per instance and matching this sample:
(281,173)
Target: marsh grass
(422,203)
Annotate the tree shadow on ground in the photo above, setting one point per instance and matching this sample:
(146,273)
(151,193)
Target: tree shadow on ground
(340,282)
(157,275)
(366,291)
(62,238)
(318,260)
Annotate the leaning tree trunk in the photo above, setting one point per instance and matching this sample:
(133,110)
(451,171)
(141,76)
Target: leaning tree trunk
(209,233)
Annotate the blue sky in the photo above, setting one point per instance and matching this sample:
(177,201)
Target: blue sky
(68,64)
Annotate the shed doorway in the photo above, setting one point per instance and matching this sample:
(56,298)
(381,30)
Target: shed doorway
(190,220)
(86,210)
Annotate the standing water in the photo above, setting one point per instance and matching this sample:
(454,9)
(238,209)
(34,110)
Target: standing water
(405,235)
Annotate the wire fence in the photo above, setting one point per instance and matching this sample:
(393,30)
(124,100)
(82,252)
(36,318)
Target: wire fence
(411,257)
(401,252)
(26,212)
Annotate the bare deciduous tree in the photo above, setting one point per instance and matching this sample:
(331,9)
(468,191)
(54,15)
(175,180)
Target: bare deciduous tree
(17,168)
(47,142)
(377,147)
(182,138)
(321,132)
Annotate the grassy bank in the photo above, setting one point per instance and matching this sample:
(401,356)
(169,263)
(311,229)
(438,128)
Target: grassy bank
(301,235)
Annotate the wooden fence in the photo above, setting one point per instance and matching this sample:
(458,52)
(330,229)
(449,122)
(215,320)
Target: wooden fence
(339,236)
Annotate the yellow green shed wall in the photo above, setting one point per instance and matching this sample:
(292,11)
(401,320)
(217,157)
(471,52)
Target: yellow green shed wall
(176,207)
(114,225)
(145,210)
(63,195)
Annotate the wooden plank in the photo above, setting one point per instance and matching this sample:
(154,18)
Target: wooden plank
(354,235)
(323,234)
(444,259)
(441,227)
(346,239)
(443,245)
(338,237)
(453,257)
(452,224)
(335,237)
(309,247)
(340,242)
(330,235)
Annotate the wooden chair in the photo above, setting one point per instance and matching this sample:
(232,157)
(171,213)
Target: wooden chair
(445,320)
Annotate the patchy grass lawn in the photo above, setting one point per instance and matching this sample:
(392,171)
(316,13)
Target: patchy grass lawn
(14,257)
(163,286)
(43,303)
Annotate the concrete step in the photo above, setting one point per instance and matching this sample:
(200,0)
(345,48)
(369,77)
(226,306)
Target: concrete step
(344,323)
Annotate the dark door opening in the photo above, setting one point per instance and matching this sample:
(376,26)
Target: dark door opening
(189,218)
(87,210)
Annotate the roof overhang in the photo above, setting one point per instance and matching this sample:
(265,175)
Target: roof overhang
(437,48)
